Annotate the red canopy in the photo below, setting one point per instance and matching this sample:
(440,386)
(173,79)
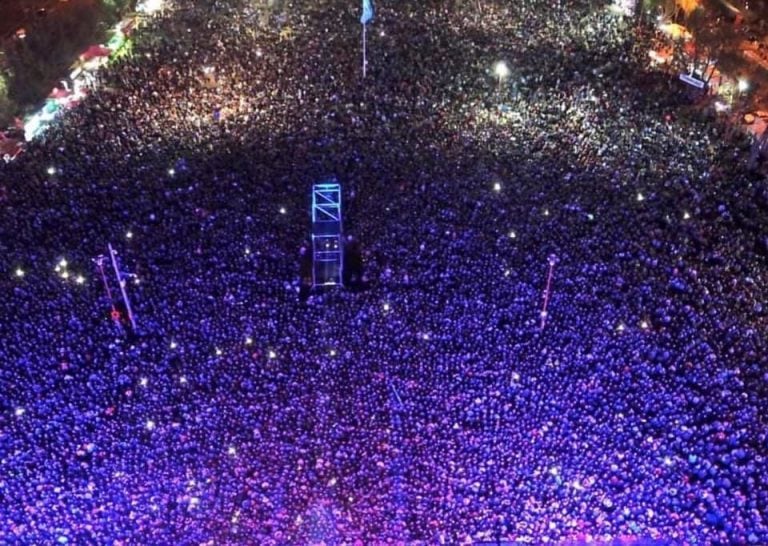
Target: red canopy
(9,147)
(59,93)
(127,26)
(95,51)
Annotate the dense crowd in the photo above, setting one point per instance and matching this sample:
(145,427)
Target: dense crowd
(431,407)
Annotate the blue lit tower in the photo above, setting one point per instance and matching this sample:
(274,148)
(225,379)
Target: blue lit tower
(327,234)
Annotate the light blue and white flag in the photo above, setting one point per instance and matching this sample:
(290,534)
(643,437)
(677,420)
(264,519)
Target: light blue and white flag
(367,12)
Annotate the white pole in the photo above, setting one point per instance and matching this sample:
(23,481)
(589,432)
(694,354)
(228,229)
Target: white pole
(547,291)
(365,58)
(121,284)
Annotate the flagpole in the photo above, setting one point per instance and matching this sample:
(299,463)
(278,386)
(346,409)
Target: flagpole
(364,19)
(365,58)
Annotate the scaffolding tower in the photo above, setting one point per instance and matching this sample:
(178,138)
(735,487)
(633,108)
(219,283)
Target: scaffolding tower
(327,234)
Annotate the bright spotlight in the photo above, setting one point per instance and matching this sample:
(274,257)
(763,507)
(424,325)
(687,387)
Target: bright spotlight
(501,69)
(743,85)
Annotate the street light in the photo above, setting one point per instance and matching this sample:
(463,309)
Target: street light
(743,85)
(502,71)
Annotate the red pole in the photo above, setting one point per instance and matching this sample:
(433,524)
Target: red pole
(115,314)
(100,262)
(121,285)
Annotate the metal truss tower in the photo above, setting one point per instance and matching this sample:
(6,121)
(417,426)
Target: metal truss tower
(327,234)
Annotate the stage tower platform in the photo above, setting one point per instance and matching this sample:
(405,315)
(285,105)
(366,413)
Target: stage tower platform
(327,234)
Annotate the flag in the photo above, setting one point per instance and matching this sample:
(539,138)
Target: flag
(367,12)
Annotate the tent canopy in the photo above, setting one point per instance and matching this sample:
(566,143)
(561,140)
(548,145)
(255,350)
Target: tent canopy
(95,51)
(59,93)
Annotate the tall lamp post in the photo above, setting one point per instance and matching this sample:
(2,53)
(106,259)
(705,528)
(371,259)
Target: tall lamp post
(502,71)
(742,86)
(737,101)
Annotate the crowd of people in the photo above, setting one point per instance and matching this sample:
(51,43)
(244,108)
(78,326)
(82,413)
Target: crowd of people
(438,406)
